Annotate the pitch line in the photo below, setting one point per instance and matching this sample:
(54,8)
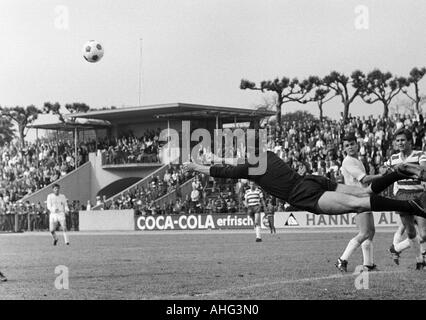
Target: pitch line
(282,282)
(295,281)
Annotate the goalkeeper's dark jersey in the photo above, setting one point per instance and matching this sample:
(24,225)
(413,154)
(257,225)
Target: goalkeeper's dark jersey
(279,179)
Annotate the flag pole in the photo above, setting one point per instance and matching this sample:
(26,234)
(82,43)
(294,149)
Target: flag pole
(140,70)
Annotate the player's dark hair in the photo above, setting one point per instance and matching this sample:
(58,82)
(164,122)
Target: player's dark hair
(349,137)
(55,185)
(407,133)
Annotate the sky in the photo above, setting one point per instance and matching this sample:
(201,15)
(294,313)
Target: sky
(197,51)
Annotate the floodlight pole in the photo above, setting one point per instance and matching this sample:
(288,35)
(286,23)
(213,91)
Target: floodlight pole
(140,70)
(75,148)
(168,161)
(37,148)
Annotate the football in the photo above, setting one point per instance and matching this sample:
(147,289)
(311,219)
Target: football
(93,51)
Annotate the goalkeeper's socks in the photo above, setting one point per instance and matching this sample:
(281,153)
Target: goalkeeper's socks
(380,184)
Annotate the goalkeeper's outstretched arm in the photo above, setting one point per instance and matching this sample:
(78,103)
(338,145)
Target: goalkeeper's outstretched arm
(233,172)
(191,166)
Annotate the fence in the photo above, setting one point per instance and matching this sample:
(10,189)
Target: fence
(19,222)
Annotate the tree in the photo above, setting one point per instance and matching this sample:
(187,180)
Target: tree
(415,76)
(381,87)
(299,116)
(340,85)
(7,132)
(53,108)
(285,89)
(321,95)
(22,117)
(402,106)
(76,107)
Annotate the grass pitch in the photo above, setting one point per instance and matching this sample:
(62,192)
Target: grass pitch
(201,265)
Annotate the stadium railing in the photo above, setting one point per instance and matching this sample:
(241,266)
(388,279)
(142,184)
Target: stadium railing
(30,221)
(183,189)
(141,183)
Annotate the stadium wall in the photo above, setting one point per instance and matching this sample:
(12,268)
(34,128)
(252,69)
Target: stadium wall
(304,219)
(75,186)
(107,220)
(194,222)
(119,220)
(101,177)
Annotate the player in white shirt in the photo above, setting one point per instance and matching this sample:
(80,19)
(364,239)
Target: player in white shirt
(58,207)
(253,200)
(404,190)
(354,174)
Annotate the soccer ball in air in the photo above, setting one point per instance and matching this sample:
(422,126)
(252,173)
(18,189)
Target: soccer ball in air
(93,51)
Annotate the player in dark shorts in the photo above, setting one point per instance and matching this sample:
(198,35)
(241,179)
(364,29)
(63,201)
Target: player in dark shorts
(269,215)
(318,194)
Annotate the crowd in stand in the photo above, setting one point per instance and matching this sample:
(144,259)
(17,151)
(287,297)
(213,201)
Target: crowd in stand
(310,147)
(142,198)
(132,149)
(23,171)
(38,164)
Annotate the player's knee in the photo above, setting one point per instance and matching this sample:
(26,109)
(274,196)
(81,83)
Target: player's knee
(366,235)
(363,236)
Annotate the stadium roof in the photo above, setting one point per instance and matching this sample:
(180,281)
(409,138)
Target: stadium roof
(53,122)
(174,111)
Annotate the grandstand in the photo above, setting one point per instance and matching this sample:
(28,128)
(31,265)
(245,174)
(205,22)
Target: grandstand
(123,165)
(125,160)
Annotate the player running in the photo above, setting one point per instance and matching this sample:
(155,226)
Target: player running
(317,194)
(405,190)
(354,174)
(269,215)
(253,200)
(398,236)
(57,206)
